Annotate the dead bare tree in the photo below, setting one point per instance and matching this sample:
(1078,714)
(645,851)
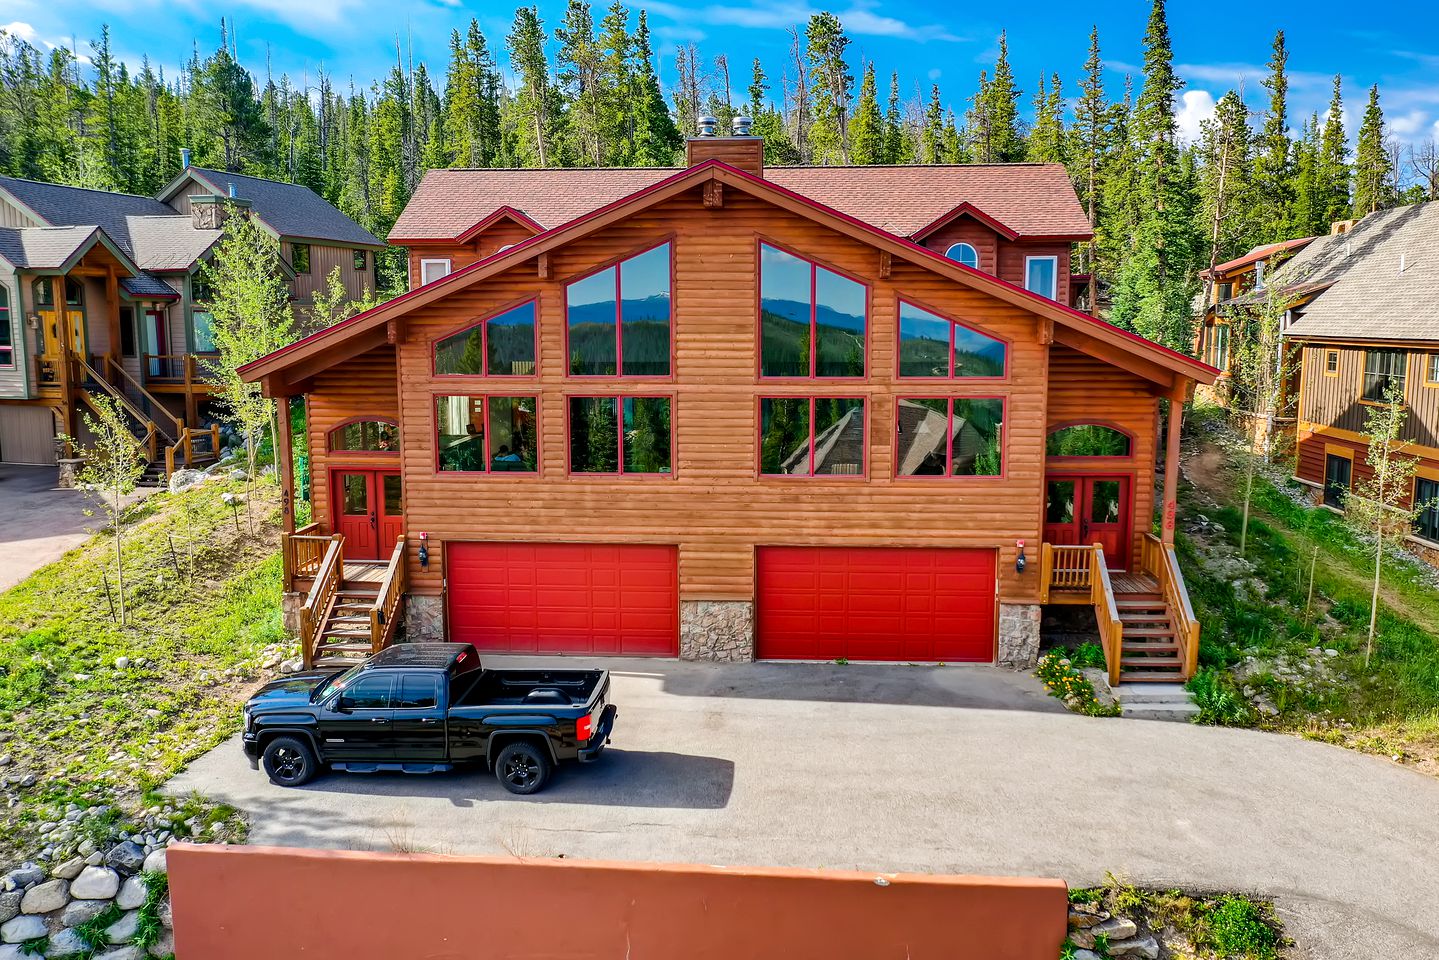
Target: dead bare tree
(1424,161)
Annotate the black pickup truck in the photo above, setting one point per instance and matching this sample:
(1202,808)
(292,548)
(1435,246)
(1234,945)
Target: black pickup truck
(424,708)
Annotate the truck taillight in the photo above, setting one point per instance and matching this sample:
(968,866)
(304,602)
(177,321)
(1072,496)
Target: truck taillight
(584,728)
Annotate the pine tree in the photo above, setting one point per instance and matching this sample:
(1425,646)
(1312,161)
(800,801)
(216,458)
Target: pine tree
(1332,173)
(932,135)
(1156,283)
(1273,167)
(472,101)
(768,122)
(654,137)
(533,114)
(831,83)
(1308,205)
(1227,202)
(1090,130)
(867,130)
(580,74)
(896,144)
(687,93)
(1046,137)
(1373,170)
(1006,143)
(980,124)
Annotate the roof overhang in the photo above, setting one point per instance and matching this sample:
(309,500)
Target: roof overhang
(465,236)
(281,370)
(95,237)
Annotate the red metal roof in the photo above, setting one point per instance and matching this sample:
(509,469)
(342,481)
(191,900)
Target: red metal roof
(1259,253)
(1029,199)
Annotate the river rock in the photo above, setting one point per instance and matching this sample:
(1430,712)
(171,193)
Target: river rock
(155,863)
(45,897)
(67,943)
(132,894)
(127,952)
(10,905)
(124,929)
(22,928)
(70,869)
(1148,948)
(1115,928)
(126,857)
(164,946)
(22,877)
(79,911)
(95,883)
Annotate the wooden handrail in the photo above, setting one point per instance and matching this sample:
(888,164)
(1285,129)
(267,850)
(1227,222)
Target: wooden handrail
(385,612)
(302,552)
(118,396)
(175,421)
(1065,567)
(148,444)
(1161,563)
(316,609)
(1106,613)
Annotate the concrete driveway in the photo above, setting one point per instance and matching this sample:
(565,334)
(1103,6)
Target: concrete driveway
(42,521)
(939,769)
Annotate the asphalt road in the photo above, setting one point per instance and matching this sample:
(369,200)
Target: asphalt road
(936,769)
(42,521)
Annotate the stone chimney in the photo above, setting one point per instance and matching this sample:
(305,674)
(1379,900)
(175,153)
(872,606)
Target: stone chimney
(209,212)
(1341,226)
(741,150)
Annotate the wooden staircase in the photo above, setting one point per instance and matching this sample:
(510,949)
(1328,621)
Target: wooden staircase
(353,606)
(1149,649)
(344,637)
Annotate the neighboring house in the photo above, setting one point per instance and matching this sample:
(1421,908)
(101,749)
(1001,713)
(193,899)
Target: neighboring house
(1229,286)
(1365,321)
(99,293)
(728,412)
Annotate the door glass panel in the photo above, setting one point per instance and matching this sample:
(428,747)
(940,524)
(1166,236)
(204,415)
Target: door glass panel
(357,498)
(1104,501)
(368,693)
(1059,502)
(394,503)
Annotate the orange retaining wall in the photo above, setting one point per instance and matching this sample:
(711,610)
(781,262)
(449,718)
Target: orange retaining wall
(248,903)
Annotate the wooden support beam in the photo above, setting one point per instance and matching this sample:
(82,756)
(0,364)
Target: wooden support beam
(284,457)
(1046,331)
(714,195)
(886,264)
(62,345)
(1171,458)
(392,332)
(112,306)
(543,266)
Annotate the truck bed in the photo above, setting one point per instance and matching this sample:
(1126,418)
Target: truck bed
(531,688)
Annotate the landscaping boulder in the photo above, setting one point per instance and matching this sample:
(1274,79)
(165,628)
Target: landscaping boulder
(67,943)
(95,883)
(164,946)
(1115,928)
(11,951)
(10,905)
(167,915)
(124,929)
(121,953)
(1148,948)
(45,897)
(155,862)
(184,479)
(70,869)
(22,928)
(80,911)
(132,894)
(127,857)
(22,877)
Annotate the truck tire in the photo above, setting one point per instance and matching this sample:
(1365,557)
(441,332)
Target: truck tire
(522,768)
(289,761)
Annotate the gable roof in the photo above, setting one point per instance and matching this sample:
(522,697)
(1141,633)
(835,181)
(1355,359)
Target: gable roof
(366,330)
(289,209)
(1258,253)
(1380,280)
(57,248)
(1030,200)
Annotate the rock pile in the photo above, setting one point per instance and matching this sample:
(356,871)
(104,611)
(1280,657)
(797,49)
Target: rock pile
(1091,927)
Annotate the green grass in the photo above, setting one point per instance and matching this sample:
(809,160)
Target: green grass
(202,597)
(1219,927)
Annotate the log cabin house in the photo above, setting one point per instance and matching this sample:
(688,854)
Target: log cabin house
(100,294)
(730,412)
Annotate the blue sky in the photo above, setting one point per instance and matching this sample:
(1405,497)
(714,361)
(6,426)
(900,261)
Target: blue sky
(927,41)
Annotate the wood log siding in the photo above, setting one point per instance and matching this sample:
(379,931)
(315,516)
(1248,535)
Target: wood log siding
(715,507)
(365,386)
(503,233)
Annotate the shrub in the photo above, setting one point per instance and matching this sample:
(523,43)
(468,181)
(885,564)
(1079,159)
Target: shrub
(1064,681)
(1220,704)
(1236,927)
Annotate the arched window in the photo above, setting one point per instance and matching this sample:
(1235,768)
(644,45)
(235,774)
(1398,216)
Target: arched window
(963,253)
(366,436)
(1088,440)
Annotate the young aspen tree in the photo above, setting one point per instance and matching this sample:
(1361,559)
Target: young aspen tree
(250,317)
(1379,505)
(113,467)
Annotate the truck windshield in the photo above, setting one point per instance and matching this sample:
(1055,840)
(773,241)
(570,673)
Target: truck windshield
(336,681)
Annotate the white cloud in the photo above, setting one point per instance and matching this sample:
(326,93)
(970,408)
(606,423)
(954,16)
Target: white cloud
(859,18)
(1407,126)
(1196,106)
(21,30)
(935,73)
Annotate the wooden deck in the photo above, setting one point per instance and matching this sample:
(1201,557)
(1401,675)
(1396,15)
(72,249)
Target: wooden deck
(365,571)
(1133,583)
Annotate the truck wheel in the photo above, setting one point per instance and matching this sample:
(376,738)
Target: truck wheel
(522,768)
(289,762)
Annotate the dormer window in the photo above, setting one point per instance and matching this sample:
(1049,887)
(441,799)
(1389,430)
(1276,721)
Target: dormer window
(1041,276)
(963,253)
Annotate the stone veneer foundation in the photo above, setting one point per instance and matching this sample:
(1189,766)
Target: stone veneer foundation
(721,631)
(1019,635)
(424,619)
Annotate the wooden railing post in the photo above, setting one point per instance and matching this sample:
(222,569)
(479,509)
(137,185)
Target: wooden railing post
(1046,570)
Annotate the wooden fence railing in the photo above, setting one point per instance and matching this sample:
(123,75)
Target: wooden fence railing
(1106,613)
(185,450)
(301,553)
(385,614)
(1064,568)
(1161,563)
(316,610)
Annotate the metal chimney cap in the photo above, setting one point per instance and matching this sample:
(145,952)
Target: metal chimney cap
(740,125)
(708,125)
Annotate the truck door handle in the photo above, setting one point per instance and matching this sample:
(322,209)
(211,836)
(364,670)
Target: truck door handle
(429,720)
(378,720)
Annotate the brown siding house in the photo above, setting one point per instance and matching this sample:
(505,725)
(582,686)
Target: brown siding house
(724,412)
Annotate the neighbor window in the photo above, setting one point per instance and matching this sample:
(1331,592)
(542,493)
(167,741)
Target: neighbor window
(935,346)
(366,436)
(618,319)
(812,320)
(300,257)
(1384,374)
(204,332)
(1226,290)
(43,293)
(1331,363)
(1426,499)
(1220,353)
(1259,275)
(127,330)
(620,435)
(360,260)
(1087,440)
(812,436)
(432,270)
(486,434)
(1431,369)
(7,349)
(963,253)
(1041,276)
(502,345)
(954,437)
(1337,472)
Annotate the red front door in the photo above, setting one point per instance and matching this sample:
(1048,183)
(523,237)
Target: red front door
(1085,510)
(369,511)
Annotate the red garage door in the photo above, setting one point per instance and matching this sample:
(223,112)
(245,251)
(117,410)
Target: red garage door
(580,598)
(875,603)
